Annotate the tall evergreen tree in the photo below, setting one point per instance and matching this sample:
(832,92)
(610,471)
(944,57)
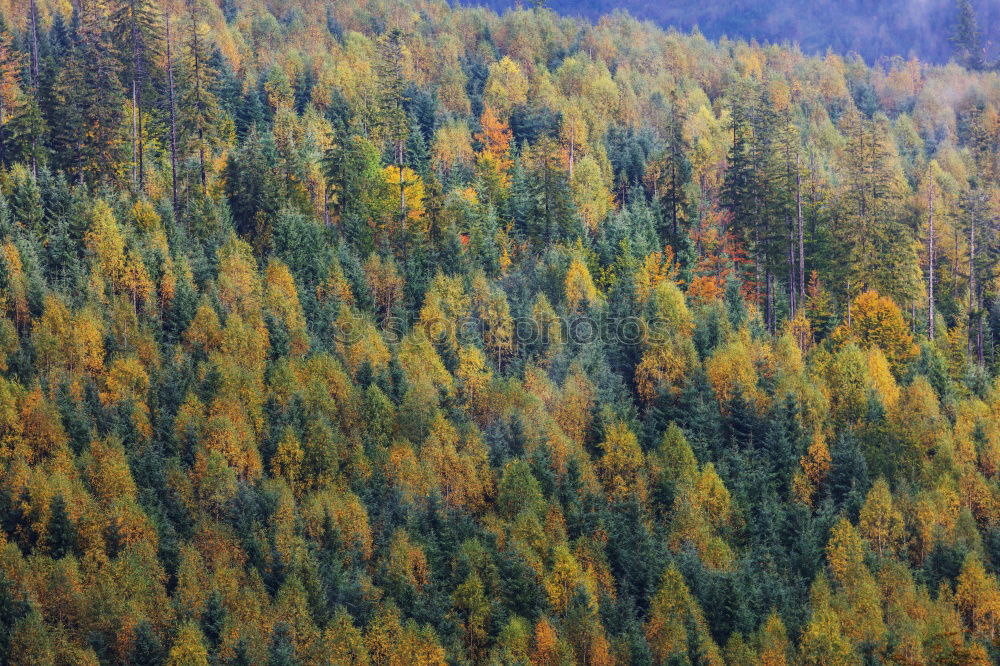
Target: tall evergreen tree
(881,254)
(136,24)
(966,38)
(90,101)
(198,107)
(147,649)
(392,120)
(10,67)
(61,533)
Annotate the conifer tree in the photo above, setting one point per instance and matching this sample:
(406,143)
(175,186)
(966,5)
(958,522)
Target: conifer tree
(392,118)
(197,105)
(90,100)
(966,37)
(9,91)
(136,25)
(61,532)
(882,255)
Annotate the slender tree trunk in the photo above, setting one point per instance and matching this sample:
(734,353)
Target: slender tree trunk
(802,253)
(673,195)
(33,15)
(326,205)
(33,11)
(173,119)
(930,260)
(972,269)
(196,52)
(135,135)
(201,162)
(402,186)
(792,301)
(137,147)
(980,337)
(768,301)
(572,146)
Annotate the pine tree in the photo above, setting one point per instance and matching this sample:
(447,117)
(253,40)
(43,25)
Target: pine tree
(172,109)
(252,185)
(90,99)
(147,649)
(213,620)
(9,91)
(881,251)
(966,37)
(677,166)
(756,190)
(61,532)
(392,120)
(136,24)
(26,131)
(281,651)
(552,215)
(198,107)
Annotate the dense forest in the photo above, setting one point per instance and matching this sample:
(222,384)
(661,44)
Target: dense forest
(391,332)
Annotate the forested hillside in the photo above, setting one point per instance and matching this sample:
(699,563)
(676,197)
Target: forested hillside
(391,333)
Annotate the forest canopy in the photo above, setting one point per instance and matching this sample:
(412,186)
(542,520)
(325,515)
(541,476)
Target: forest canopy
(393,332)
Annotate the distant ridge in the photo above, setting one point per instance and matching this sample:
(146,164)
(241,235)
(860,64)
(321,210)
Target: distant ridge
(872,28)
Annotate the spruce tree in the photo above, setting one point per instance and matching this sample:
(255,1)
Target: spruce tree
(147,649)
(136,26)
(678,166)
(61,531)
(198,107)
(966,37)
(90,99)
(394,126)
(9,88)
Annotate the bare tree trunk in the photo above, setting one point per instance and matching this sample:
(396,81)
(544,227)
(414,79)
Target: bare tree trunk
(572,146)
(768,303)
(972,268)
(402,187)
(137,147)
(792,302)
(173,119)
(33,11)
(196,52)
(930,260)
(135,135)
(980,337)
(326,205)
(802,253)
(673,196)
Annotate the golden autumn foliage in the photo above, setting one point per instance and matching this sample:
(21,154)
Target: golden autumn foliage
(580,289)
(281,299)
(669,353)
(494,159)
(876,321)
(732,373)
(676,624)
(977,597)
(881,523)
(621,467)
